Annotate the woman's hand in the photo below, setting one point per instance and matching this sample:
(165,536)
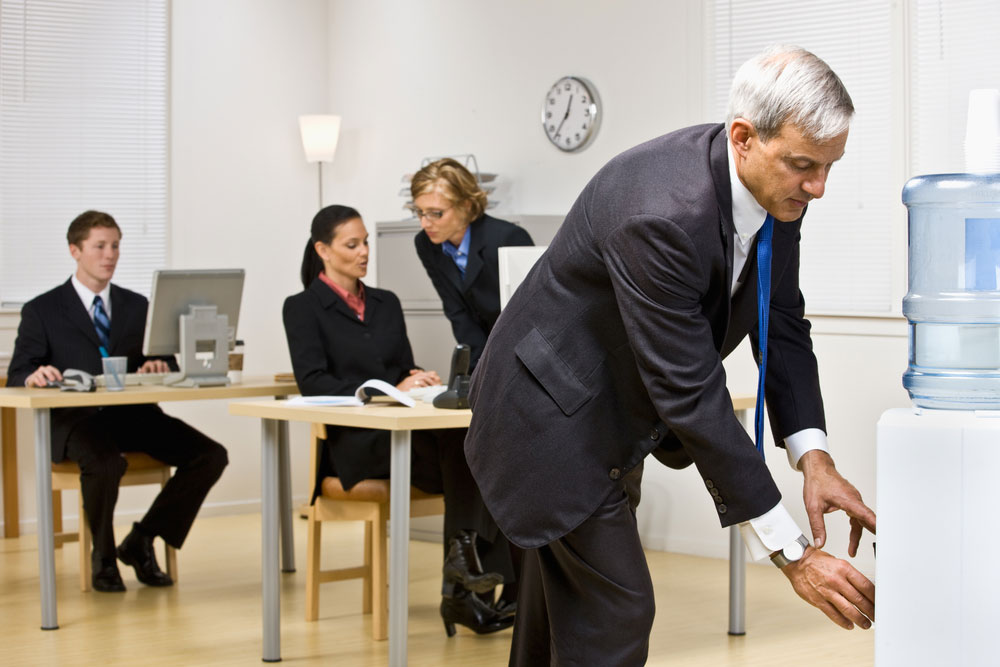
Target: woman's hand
(154,366)
(419,378)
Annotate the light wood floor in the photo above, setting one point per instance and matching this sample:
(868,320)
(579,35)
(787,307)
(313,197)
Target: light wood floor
(212,617)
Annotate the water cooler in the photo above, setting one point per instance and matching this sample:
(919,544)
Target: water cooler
(938,463)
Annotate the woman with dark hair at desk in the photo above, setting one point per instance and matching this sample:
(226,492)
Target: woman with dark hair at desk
(459,247)
(340,333)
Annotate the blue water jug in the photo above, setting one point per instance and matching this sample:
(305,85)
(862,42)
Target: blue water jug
(953,300)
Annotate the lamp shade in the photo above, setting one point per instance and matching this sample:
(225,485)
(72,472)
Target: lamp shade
(319,136)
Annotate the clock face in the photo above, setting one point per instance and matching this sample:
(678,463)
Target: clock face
(570,113)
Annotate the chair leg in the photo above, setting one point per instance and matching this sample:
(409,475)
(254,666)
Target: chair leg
(57,517)
(85,546)
(366,580)
(170,555)
(380,579)
(314,534)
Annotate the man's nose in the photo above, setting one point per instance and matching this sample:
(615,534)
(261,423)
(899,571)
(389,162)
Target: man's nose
(815,186)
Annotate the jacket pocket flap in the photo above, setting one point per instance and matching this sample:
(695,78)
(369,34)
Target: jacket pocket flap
(552,373)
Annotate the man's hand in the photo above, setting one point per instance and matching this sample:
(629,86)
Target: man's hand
(824,491)
(834,587)
(42,376)
(155,366)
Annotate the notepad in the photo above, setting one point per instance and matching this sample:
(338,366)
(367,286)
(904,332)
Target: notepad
(361,396)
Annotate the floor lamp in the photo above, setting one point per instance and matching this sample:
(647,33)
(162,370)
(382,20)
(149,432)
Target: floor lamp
(320,133)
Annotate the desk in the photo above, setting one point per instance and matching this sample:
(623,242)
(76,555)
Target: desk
(40,401)
(400,421)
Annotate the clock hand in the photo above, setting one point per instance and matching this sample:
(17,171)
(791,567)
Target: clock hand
(565,116)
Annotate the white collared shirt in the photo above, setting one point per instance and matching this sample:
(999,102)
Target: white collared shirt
(87,297)
(776,528)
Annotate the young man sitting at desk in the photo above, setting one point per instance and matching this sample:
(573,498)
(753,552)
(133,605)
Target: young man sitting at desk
(73,326)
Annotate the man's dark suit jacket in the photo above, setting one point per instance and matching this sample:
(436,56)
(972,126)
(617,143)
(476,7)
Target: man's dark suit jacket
(333,352)
(613,347)
(56,330)
(472,303)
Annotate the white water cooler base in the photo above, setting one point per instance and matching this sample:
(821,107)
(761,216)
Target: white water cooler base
(938,544)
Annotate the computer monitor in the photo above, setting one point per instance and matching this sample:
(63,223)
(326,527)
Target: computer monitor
(209,302)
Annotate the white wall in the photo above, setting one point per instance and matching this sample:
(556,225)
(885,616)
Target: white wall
(442,77)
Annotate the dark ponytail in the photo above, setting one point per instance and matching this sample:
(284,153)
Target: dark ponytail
(324,228)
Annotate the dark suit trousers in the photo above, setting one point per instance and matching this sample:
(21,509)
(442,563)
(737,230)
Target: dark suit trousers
(586,598)
(96,445)
(439,466)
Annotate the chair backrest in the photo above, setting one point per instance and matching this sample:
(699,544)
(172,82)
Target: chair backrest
(514,264)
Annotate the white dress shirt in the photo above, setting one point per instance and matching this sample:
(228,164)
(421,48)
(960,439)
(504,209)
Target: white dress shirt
(87,297)
(776,528)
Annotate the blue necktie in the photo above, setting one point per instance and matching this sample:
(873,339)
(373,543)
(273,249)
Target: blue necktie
(763,309)
(102,323)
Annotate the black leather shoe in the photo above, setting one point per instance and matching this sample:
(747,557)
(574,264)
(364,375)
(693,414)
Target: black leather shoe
(468,610)
(104,576)
(505,608)
(137,550)
(462,566)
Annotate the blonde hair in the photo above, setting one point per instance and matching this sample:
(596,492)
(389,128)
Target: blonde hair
(455,182)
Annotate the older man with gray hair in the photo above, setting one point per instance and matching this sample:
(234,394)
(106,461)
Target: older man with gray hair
(612,349)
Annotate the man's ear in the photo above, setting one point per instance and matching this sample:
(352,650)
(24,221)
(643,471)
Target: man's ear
(742,133)
(75,251)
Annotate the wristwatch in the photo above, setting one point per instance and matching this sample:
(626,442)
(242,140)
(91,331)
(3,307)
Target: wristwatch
(791,553)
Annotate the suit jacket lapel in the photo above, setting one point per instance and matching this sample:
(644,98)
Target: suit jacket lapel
(77,313)
(476,247)
(330,299)
(118,315)
(446,265)
(719,163)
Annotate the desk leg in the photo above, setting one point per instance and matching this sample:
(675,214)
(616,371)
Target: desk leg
(46,540)
(399,546)
(270,593)
(8,438)
(285,499)
(737,564)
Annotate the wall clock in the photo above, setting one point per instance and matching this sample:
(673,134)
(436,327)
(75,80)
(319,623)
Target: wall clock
(571,113)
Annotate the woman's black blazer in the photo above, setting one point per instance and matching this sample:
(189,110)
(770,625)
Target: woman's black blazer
(333,352)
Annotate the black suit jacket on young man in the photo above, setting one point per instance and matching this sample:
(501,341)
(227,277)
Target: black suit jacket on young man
(472,302)
(612,347)
(56,330)
(333,352)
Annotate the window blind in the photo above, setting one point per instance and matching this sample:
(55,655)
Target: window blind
(83,125)
(846,264)
(954,49)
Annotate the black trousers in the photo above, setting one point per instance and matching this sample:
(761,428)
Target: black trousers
(438,465)
(586,599)
(96,444)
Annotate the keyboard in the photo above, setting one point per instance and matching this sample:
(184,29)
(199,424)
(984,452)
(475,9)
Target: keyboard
(135,379)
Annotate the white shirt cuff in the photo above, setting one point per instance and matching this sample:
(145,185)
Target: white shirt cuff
(805,440)
(769,532)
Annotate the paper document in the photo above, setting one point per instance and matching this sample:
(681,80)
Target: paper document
(361,396)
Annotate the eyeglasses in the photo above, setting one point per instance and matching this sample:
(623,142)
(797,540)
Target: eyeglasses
(430,215)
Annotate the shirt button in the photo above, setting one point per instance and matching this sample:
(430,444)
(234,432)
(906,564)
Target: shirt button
(722,509)
(615,473)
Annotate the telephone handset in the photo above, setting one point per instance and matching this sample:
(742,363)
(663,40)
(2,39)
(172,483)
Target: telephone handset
(456,397)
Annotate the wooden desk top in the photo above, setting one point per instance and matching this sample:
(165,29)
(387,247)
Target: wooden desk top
(390,417)
(24,397)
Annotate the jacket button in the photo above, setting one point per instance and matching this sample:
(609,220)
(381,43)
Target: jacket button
(615,473)
(709,483)
(722,509)
(654,435)
(715,492)
(717,498)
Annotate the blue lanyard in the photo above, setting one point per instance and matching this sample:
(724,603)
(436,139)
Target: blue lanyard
(763,310)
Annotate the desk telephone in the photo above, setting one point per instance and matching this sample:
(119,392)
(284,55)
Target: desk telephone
(456,397)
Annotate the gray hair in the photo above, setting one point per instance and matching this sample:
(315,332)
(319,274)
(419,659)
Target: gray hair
(787,84)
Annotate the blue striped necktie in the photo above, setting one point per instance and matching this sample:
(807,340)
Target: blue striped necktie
(763,309)
(102,323)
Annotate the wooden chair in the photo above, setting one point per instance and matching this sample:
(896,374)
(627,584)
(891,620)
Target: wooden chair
(142,469)
(367,501)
